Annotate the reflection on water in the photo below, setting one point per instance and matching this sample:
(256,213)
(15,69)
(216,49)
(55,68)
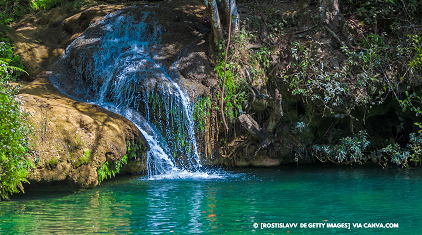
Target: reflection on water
(170,207)
(227,205)
(81,212)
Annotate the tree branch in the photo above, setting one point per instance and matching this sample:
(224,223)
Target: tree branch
(335,36)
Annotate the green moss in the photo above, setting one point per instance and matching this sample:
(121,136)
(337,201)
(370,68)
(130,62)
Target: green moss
(52,163)
(85,158)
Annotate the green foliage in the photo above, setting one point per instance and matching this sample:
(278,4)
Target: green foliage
(276,23)
(383,61)
(52,163)
(239,78)
(350,149)
(9,61)
(85,158)
(45,4)
(263,56)
(237,89)
(79,143)
(134,151)
(353,149)
(201,111)
(12,9)
(110,168)
(416,45)
(311,79)
(413,102)
(386,13)
(235,96)
(14,165)
(401,156)
(241,40)
(37,5)
(374,72)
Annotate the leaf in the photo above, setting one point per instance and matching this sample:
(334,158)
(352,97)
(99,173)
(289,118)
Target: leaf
(5,60)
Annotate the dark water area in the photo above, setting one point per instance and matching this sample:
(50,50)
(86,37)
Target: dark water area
(230,204)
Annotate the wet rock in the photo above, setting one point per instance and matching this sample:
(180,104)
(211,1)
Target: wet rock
(72,139)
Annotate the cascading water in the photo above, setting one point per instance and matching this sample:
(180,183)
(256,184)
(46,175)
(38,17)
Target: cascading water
(117,66)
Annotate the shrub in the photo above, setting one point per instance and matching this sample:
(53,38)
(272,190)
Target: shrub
(351,149)
(401,156)
(13,126)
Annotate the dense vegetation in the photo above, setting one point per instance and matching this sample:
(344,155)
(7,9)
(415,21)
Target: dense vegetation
(336,92)
(14,165)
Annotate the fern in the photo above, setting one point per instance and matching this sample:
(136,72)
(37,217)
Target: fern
(4,63)
(14,166)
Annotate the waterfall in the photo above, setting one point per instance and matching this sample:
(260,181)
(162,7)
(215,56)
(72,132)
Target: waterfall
(118,64)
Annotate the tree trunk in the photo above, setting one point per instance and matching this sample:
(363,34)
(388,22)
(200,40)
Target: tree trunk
(215,21)
(330,13)
(333,19)
(235,16)
(275,117)
(228,10)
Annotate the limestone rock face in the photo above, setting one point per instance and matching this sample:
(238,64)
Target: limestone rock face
(72,139)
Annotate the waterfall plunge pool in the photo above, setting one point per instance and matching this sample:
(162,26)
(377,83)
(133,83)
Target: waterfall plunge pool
(115,64)
(229,204)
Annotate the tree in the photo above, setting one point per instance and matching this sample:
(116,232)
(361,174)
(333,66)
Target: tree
(220,13)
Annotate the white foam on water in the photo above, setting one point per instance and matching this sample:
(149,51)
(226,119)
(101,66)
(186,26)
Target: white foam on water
(177,174)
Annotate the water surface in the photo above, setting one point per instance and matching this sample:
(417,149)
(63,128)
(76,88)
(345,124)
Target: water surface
(226,203)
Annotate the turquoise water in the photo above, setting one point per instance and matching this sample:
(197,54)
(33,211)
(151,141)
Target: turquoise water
(230,205)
